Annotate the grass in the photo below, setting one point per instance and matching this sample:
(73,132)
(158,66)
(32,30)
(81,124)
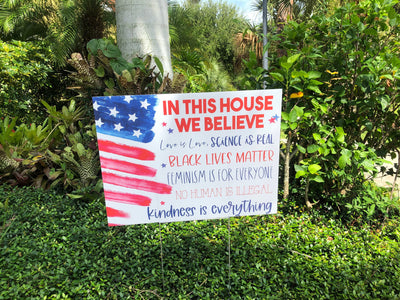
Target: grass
(53,247)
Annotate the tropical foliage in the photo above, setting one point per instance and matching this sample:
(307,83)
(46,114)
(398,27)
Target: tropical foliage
(282,11)
(25,79)
(330,87)
(65,25)
(202,43)
(341,100)
(336,234)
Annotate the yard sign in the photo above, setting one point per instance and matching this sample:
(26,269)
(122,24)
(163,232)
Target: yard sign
(180,157)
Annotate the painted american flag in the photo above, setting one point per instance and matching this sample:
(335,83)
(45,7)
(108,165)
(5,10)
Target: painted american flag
(124,126)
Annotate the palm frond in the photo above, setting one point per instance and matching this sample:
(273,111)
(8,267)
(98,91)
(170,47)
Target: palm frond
(62,33)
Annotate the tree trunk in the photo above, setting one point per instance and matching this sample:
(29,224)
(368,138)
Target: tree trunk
(286,173)
(142,28)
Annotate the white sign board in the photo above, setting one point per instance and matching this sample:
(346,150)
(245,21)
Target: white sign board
(180,157)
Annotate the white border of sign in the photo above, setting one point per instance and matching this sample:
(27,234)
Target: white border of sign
(181,157)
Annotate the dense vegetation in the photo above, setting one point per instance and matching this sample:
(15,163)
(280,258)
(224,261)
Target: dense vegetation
(336,235)
(56,247)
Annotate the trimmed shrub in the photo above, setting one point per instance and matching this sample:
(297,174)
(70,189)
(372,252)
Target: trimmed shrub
(52,246)
(24,79)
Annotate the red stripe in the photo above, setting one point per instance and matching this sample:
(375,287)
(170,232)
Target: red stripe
(135,183)
(114,224)
(127,167)
(125,150)
(112,212)
(127,198)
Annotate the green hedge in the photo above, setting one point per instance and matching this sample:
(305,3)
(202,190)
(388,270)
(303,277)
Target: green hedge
(52,246)
(25,79)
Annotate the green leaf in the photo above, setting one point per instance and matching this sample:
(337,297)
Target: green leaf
(277,76)
(317,178)
(340,134)
(159,65)
(324,150)
(314,74)
(74,196)
(344,159)
(312,148)
(119,65)
(355,19)
(80,149)
(296,74)
(342,162)
(316,136)
(286,65)
(324,108)
(127,75)
(62,129)
(387,76)
(284,126)
(293,115)
(316,82)
(92,46)
(384,100)
(368,165)
(315,103)
(300,173)
(314,88)
(100,72)
(371,210)
(138,63)
(392,13)
(292,59)
(112,51)
(301,149)
(54,175)
(314,168)
(72,105)
(110,83)
(299,111)
(300,170)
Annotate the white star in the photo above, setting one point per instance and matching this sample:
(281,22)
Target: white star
(99,122)
(137,133)
(96,106)
(133,118)
(144,104)
(118,127)
(114,112)
(128,99)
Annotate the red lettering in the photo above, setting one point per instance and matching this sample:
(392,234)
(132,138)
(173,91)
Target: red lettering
(268,102)
(187,107)
(212,107)
(259,121)
(259,103)
(208,124)
(237,104)
(169,107)
(233,122)
(226,104)
(218,123)
(240,122)
(187,124)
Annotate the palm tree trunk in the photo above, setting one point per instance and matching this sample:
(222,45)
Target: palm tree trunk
(286,172)
(142,28)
